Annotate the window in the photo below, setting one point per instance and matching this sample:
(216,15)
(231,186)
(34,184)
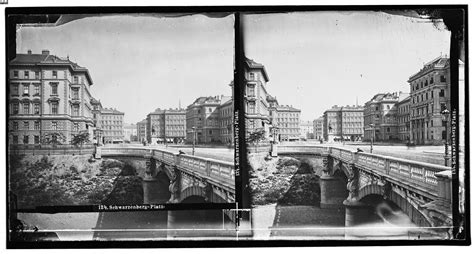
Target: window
(25,139)
(443,106)
(37,75)
(251,90)
(26,89)
(426,82)
(431,123)
(15,90)
(54,89)
(15,126)
(37,89)
(54,125)
(55,74)
(76,127)
(432,94)
(26,108)
(75,94)
(37,125)
(441,93)
(26,125)
(37,140)
(36,109)
(251,107)
(76,80)
(431,80)
(15,74)
(252,76)
(27,75)
(15,139)
(442,78)
(15,108)
(54,108)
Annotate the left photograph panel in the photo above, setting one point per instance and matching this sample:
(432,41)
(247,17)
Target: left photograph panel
(116,111)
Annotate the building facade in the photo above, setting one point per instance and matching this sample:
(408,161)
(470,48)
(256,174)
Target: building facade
(287,123)
(142,130)
(430,94)
(48,95)
(166,125)
(226,121)
(381,118)
(112,125)
(318,128)
(403,119)
(257,115)
(130,132)
(306,130)
(343,123)
(203,122)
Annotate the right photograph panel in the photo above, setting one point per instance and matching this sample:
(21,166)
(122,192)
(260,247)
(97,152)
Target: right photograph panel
(348,125)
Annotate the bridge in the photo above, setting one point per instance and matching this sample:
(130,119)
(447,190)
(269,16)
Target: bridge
(179,178)
(348,178)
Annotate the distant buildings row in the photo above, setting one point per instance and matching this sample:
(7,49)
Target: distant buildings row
(413,117)
(210,119)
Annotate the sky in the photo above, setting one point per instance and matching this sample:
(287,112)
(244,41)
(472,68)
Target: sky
(319,59)
(142,63)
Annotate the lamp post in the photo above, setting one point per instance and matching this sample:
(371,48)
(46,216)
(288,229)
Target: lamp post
(194,138)
(445,114)
(372,128)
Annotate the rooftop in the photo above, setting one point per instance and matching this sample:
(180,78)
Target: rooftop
(111,111)
(45,58)
(254,65)
(438,63)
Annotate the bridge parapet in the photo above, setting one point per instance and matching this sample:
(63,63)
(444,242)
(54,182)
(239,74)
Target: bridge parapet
(218,174)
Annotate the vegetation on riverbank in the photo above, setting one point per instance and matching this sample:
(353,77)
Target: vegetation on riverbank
(283,180)
(72,180)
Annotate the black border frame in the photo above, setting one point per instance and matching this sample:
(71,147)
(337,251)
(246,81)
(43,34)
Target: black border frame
(456,12)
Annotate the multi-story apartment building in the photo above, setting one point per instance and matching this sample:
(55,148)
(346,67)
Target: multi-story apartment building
(306,130)
(403,119)
(166,125)
(352,123)
(287,122)
(112,125)
(142,130)
(430,94)
(203,119)
(257,114)
(318,128)
(130,132)
(380,117)
(226,121)
(47,94)
(343,123)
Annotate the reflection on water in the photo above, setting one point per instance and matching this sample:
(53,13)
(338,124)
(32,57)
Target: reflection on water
(387,222)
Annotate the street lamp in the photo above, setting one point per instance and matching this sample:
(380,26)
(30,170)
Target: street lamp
(445,114)
(194,138)
(372,128)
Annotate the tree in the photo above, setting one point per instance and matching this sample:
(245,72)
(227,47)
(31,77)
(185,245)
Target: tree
(53,138)
(256,137)
(80,139)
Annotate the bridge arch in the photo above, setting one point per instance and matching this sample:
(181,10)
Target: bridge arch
(206,194)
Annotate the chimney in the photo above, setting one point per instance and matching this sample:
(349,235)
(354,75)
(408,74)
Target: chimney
(29,51)
(45,52)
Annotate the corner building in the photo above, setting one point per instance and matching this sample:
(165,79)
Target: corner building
(430,93)
(48,94)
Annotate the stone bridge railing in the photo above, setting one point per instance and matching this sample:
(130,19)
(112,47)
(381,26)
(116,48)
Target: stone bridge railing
(219,173)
